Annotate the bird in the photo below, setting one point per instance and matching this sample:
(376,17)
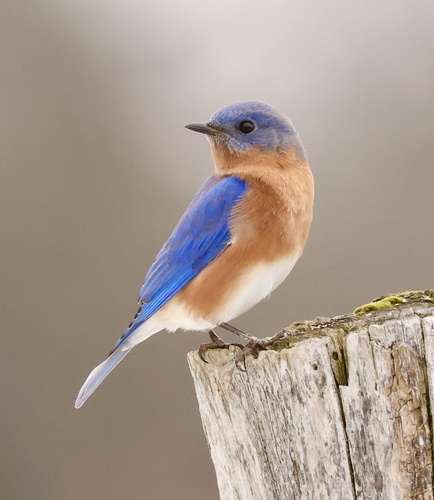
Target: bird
(237,241)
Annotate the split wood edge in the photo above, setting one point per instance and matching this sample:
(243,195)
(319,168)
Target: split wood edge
(336,408)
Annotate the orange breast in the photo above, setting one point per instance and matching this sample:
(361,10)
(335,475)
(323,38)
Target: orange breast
(270,224)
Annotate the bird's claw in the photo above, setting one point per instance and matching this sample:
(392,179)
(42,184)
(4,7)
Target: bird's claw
(215,344)
(251,348)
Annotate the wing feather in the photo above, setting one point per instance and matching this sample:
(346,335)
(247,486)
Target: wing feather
(200,236)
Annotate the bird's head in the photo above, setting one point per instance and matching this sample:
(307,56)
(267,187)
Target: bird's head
(251,126)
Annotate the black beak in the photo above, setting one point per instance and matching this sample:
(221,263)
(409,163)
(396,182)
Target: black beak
(203,128)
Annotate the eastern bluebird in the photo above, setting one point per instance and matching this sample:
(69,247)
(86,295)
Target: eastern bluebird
(239,238)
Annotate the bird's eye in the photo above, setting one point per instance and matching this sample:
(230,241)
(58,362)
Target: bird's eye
(246,127)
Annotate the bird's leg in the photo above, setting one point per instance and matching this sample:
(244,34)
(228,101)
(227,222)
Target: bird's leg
(216,343)
(253,346)
(240,333)
(214,337)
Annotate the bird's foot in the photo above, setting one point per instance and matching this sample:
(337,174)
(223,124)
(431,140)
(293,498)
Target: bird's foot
(216,343)
(253,347)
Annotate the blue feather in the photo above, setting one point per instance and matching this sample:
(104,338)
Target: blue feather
(200,236)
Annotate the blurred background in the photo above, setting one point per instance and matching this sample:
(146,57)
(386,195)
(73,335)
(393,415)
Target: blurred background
(96,169)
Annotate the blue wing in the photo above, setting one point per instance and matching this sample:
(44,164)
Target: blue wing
(200,236)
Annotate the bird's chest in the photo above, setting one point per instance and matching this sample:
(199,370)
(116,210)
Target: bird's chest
(269,227)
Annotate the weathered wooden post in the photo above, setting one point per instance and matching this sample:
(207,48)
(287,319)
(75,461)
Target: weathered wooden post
(334,409)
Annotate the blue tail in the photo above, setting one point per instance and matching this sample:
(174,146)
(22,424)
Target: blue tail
(96,377)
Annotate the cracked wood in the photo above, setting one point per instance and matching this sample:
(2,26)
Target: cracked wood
(334,409)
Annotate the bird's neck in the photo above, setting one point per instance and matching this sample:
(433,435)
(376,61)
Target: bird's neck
(282,174)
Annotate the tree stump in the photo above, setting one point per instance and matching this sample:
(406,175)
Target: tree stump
(333,409)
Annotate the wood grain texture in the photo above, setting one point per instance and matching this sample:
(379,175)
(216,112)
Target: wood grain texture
(335,409)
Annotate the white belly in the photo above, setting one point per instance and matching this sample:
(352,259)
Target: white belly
(256,285)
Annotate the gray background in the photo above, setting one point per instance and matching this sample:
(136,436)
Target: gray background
(96,169)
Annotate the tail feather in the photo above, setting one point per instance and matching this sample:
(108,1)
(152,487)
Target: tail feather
(97,375)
